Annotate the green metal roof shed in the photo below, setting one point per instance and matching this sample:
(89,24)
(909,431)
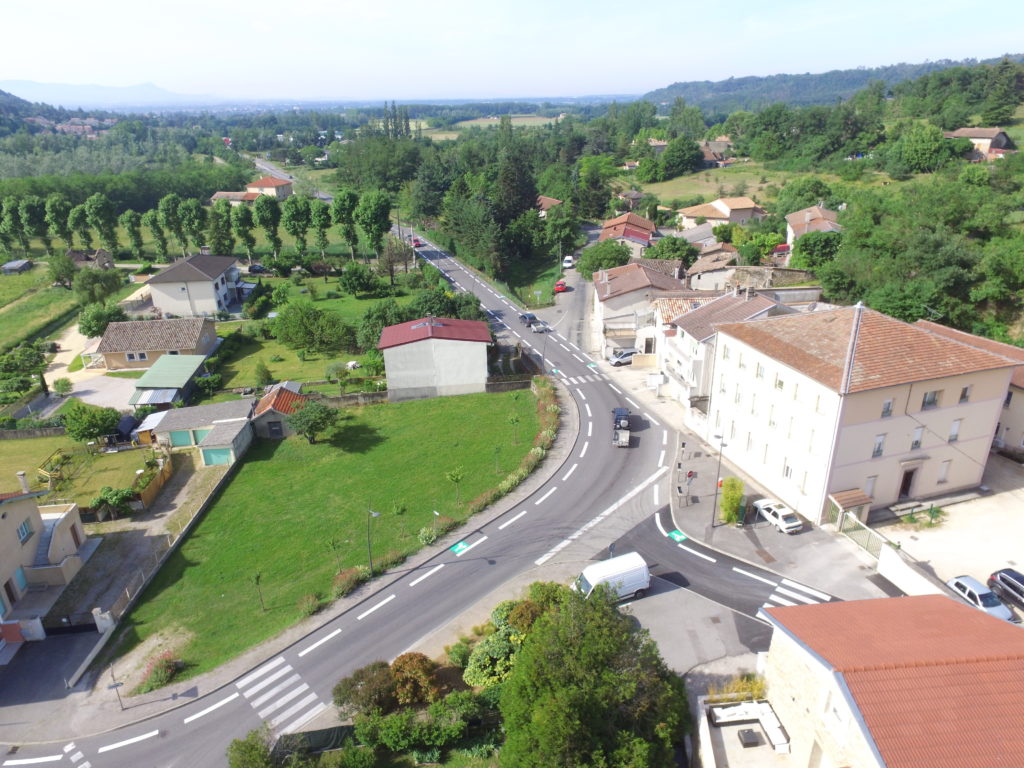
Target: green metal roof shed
(171,372)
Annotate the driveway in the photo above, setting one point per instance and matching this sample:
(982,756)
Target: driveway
(105,391)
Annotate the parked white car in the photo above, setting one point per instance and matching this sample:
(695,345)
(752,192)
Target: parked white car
(567,262)
(976,594)
(779,515)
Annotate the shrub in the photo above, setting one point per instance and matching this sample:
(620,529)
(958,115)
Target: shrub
(458,654)
(521,618)
(426,756)
(389,559)
(347,580)
(263,374)
(732,498)
(415,680)
(349,756)
(332,295)
(208,385)
(309,604)
(500,614)
(160,672)
(367,689)
(427,536)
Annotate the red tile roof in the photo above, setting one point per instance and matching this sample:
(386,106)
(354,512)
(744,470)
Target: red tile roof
(545,203)
(813,219)
(937,683)
(855,349)
(996,347)
(632,220)
(632,277)
(625,232)
(973,133)
(434,328)
(280,399)
(268,181)
(700,323)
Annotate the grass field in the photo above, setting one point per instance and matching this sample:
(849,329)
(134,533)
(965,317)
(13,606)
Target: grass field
(27,316)
(740,179)
(15,286)
(26,454)
(240,371)
(290,500)
(517,120)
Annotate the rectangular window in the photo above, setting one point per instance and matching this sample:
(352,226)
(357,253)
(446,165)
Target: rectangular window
(740,362)
(753,403)
(965,394)
(944,471)
(732,430)
(721,384)
(810,442)
(750,441)
(869,485)
(1009,397)
(771,415)
(915,442)
(787,469)
(718,419)
(143,356)
(130,355)
(759,372)
(954,430)
(879,446)
(930,400)
(887,409)
(24,531)
(796,388)
(725,351)
(779,383)
(736,394)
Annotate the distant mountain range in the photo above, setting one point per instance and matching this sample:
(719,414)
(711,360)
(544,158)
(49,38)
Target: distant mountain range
(754,93)
(102,96)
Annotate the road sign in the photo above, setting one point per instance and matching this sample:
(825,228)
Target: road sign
(677,536)
(460,547)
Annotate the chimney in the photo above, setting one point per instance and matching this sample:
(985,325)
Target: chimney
(747,297)
(22,480)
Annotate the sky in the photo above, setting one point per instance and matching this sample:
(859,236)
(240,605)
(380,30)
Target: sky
(406,49)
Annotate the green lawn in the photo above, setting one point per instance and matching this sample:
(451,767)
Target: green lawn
(240,371)
(125,374)
(15,286)
(26,454)
(290,499)
(29,315)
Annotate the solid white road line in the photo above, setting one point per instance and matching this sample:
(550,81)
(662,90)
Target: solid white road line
(293,710)
(429,573)
(632,403)
(319,642)
(664,437)
(580,393)
(35,760)
(808,590)
(657,521)
(578,357)
(260,672)
(795,595)
(615,388)
(282,686)
(571,470)
(267,681)
(755,576)
(367,612)
(305,718)
(698,554)
(661,459)
(507,523)
(584,451)
(263,713)
(544,498)
(590,429)
(481,540)
(594,521)
(653,420)
(589,414)
(210,709)
(126,742)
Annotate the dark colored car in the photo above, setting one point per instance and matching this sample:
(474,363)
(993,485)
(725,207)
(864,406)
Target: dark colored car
(1008,586)
(527,319)
(258,269)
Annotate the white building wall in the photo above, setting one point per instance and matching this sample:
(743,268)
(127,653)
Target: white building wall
(1010,430)
(185,299)
(435,367)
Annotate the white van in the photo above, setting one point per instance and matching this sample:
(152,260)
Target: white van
(567,262)
(627,575)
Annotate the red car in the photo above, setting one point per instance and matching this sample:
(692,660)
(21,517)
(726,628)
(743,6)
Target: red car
(561,287)
(417,243)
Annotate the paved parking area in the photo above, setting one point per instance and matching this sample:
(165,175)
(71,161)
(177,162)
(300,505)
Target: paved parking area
(106,391)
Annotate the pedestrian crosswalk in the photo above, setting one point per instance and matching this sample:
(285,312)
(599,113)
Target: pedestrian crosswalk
(76,755)
(279,696)
(789,593)
(591,377)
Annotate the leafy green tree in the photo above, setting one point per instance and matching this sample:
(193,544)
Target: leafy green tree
(94,286)
(673,248)
(87,422)
(373,214)
(11,224)
(1004,94)
(295,218)
(921,148)
(686,120)
(219,231)
(368,688)
(601,256)
(57,210)
(514,189)
(24,361)
(301,325)
(266,213)
(193,221)
(151,220)
(62,386)
(357,279)
(815,249)
(94,319)
(117,500)
(588,688)
(131,223)
(102,217)
(320,221)
(803,192)
(253,751)
(594,190)
(415,679)
(732,499)
(312,419)
(61,270)
(562,228)
(682,155)
(263,374)
(380,315)
(78,222)
(169,213)
(242,226)
(32,210)
(343,209)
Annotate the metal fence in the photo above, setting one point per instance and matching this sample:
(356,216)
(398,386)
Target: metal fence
(870,541)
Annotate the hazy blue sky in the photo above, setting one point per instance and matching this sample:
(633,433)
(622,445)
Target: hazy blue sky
(339,49)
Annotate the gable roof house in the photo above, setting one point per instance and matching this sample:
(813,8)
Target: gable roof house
(713,269)
(269,417)
(221,431)
(545,204)
(171,379)
(271,186)
(816,218)
(196,286)
(435,357)
(900,682)
(849,409)
(634,231)
(725,210)
(658,145)
(989,143)
(140,343)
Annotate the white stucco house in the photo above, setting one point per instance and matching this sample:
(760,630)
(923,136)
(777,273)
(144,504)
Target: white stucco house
(196,286)
(435,356)
(724,210)
(849,409)
(623,305)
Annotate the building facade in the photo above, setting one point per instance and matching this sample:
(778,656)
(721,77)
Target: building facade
(435,357)
(197,286)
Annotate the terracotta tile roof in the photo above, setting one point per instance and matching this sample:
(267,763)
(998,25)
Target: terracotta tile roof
(434,328)
(280,399)
(632,220)
(885,352)
(700,323)
(995,347)
(248,197)
(670,307)
(632,277)
(707,210)
(942,686)
(268,181)
(813,219)
(237,196)
(152,335)
(668,267)
(625,232)
(737,203)
(197,268)
(973,133)
(544,203)
(719,258)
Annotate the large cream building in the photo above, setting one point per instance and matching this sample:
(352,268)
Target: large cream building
(851,409)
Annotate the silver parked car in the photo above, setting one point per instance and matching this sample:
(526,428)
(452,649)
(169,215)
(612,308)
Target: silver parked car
(974,593)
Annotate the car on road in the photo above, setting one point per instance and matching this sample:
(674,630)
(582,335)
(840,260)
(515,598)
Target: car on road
(527,319)
(258,269)
(1008,586)
(623,356)
(561,287)
(417,243)
(568,263)
(539,326)
(974,593)
(779,515)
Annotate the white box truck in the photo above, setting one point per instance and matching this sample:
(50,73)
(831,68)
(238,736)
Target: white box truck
(627,576)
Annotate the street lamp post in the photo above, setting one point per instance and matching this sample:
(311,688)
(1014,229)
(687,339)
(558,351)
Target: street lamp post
(718,479)
(369,547)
